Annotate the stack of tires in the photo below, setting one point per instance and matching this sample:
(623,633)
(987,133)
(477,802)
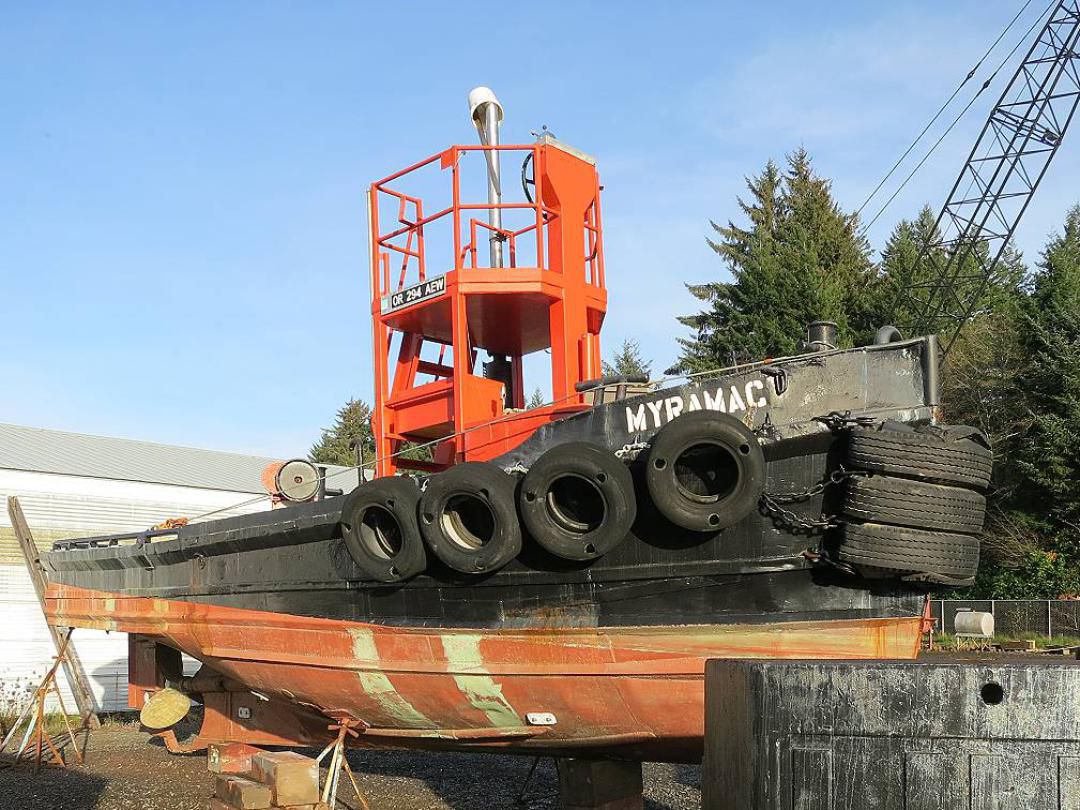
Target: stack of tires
(915,507)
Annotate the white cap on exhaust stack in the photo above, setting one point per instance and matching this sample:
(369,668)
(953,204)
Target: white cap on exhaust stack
(478,97)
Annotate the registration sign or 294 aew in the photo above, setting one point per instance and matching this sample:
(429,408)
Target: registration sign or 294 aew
(411,295)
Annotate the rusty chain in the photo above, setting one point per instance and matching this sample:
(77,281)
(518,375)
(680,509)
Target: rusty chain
(842,421)
(774,502)
(630,450)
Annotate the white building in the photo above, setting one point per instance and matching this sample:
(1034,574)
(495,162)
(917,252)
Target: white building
(73,485)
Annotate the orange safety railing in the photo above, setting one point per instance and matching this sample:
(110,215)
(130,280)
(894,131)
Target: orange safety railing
(406,237)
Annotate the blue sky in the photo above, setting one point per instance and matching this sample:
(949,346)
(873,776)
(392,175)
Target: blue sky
(182,241)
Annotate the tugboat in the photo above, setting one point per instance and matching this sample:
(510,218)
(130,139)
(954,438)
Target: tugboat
(550,579)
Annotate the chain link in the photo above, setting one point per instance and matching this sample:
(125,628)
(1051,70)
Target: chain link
(793,520)
(627,449)
(822,557)
(773,503)
(842,421)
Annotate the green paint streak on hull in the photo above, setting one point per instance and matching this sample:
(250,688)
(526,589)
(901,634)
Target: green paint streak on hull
(377,685)
(463,654)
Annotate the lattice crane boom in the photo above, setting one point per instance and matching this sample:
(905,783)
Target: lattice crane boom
(995,186)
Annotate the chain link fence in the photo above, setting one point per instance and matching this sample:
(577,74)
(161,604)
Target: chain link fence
(1014,617)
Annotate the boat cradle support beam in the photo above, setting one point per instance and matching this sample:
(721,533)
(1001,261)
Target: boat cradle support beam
(231,712)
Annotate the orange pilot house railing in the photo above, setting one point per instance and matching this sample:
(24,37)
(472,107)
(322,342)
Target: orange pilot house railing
(437,302)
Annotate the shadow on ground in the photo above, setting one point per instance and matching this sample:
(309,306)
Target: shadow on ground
(452,781)
(52,787)
(124,771)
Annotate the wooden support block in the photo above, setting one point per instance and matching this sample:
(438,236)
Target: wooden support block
(242,793)
(231,758)
(596,784)
(1025,645)
(293,779)
(218,804)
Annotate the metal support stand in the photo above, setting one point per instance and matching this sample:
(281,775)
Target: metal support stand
(35,728)
(520,800)
(339,763)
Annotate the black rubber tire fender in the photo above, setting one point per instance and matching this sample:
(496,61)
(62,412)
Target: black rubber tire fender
(378,524)
(906,550)
(468,517)
(577,501)
(919,504)
(943,455)
(705,471)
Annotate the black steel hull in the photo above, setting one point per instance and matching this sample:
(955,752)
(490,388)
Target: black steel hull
(763,569)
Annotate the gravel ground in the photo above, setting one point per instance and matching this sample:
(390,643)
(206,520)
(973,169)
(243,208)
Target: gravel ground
(125,771)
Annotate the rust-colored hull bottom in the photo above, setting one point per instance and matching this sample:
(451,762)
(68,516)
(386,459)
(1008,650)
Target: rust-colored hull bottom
(629,691)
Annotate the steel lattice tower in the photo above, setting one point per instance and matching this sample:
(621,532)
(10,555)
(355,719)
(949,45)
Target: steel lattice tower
(1010,157)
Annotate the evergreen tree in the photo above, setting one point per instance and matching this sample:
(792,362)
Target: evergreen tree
(898,270)
(1038,574)
(980,377)
(1049,454)
(818,237)
(627,360)
(536,400)
(799,259)
(983,374)
(1015,372)
(983,386)
(908,267)
(336,445)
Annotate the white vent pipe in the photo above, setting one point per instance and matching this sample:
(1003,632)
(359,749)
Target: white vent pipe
(487,114)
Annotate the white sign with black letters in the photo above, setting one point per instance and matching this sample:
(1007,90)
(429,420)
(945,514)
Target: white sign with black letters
(431,288)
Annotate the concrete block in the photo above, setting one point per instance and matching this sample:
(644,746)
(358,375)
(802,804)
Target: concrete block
(242,793)
(598,784)
(293,778)
(892,735)
(231,758)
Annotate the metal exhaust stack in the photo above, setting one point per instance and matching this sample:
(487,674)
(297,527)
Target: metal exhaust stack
(487,114)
